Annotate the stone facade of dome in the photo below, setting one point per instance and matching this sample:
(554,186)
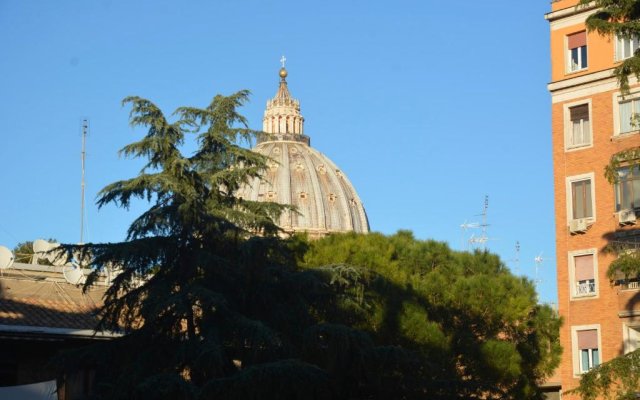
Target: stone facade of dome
(301,176)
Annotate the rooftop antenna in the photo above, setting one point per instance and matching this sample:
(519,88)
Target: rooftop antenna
(538,260)
(468,225)
(516,261)
(85,128)
(483,238)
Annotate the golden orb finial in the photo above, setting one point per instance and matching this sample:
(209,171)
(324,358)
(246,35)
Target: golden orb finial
(283,73)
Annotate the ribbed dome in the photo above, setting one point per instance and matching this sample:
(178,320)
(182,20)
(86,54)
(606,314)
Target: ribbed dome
(299,175)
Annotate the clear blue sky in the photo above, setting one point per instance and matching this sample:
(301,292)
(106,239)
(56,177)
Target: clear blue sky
(428,106)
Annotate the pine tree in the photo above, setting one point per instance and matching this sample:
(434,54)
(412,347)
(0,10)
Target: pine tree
(475,330)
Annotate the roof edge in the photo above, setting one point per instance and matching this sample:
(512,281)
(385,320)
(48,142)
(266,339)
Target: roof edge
(46,330)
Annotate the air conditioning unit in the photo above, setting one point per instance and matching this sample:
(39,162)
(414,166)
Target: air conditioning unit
(578,225)
(627,217)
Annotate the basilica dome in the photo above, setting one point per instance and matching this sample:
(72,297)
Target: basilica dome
(301,176)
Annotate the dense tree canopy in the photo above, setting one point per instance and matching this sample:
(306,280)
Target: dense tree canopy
(476,328)
(215,305)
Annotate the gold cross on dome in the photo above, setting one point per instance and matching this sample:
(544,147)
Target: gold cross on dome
(282,60)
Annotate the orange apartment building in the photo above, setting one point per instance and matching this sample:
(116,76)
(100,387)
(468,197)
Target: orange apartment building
(591,121)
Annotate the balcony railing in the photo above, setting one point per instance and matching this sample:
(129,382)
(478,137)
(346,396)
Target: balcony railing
(585,288)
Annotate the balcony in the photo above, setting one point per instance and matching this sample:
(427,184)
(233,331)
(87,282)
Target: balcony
(585,288)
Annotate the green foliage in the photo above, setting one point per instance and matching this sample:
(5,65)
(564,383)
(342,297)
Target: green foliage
(23,252)
(465,312)
(214,304)
(622,18)
(617,379)
(627,265)
(629,158)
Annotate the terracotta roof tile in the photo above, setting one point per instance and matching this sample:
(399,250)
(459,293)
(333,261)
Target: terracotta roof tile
(34,300)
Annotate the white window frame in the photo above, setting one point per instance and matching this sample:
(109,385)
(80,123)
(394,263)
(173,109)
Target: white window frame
(626,336)
(568,127)
(617,190)
(617,99)
(575,351)
(567,51)
(572,274)
(590,358)
(569,198)
(619,40)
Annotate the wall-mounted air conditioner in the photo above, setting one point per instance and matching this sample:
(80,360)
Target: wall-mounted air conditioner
(578,225)
(627,217)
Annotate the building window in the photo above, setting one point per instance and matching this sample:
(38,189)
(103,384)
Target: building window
(579,129)
(628,189)
(588,349)
(631,336)
(581,199)
(577,51)
(626,47)
(584,275)
(629,112)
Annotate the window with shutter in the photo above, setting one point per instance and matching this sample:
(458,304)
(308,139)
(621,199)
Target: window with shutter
(577,51)
(580,130)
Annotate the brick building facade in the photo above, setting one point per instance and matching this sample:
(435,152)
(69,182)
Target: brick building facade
(591,121)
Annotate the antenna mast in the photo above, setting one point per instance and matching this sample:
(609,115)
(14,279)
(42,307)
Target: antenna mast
(483,238)
(538,260)
(517,259)
(85,128)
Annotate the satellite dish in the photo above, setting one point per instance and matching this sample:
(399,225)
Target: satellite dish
(73,274)
(40,248)
(6,258)
(56,257)
(82,257)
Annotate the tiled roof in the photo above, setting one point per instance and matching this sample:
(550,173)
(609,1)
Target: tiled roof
(41,299)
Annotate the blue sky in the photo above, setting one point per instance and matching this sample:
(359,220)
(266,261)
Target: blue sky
(427,106)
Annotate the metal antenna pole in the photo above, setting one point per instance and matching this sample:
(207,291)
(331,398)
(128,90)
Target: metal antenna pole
(484,222)
(517,257)
(538,260)
(85,127)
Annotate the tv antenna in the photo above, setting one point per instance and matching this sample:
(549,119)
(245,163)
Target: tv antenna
(85,128)
(483,238)
(516,261)
(538,260)
(468,225)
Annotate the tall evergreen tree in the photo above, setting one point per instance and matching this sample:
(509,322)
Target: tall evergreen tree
(191,265)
